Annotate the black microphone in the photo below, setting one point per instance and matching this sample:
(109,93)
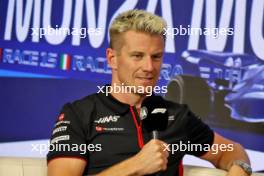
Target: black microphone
(154,115)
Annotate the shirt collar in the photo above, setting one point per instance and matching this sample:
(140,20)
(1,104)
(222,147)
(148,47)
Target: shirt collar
(112,102)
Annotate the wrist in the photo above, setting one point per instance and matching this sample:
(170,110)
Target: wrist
(242,166)
(136,167)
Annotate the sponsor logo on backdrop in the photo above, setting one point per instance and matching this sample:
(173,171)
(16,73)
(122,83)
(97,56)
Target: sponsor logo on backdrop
(71,63)
(73,28)
(51,60)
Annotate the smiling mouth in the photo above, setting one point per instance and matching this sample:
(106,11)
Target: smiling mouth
(145,78)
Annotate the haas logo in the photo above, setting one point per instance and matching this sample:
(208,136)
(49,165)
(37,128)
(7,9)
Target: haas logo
(107,119)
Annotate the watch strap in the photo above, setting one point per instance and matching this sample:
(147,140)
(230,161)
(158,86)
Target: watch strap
(245,166)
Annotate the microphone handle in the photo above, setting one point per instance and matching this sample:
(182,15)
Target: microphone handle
(155,134)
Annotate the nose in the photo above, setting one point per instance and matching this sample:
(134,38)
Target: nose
(147,64)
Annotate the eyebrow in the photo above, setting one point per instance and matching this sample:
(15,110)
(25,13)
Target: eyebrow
(136,52)
(159,53)
(139,52)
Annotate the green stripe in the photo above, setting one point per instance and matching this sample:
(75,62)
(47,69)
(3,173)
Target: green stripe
(62,61)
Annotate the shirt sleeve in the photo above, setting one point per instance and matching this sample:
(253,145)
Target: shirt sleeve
(200,135)
(68,136)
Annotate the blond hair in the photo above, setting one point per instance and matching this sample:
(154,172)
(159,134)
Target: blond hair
(136,20)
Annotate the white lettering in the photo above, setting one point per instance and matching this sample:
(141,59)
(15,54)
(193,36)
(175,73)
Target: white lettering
(217,43)
(60,36)
(158,110)
(256,28)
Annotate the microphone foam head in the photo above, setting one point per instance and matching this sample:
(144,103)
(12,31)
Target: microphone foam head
(154,114)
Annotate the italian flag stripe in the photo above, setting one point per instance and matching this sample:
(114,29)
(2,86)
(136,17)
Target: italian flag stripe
(1,52)
(65,62)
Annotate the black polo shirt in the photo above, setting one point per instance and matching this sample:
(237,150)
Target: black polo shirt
(104,132)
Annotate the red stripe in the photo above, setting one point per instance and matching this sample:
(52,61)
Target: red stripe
(1,52)
(139,128)
(68,62)
(180,169)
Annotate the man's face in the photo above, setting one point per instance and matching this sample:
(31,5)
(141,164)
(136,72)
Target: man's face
(140,58)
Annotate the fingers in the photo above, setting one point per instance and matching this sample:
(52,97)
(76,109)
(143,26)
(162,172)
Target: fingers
(164,164)
(153,157)
(162,153)
(161,146)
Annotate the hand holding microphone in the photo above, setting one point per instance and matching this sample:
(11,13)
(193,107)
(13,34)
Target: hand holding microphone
(154,115)
(152,158)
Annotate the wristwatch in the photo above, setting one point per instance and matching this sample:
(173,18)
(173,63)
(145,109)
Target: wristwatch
(245,166)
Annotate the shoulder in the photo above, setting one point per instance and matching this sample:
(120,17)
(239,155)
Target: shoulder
(176,108)
(182,113)
(80,109)
(83,103)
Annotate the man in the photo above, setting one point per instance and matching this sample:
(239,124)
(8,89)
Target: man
(110,125)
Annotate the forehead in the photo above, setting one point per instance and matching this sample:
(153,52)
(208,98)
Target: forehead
(142,41)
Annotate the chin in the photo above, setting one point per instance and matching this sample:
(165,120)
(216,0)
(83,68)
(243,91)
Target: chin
(147,83)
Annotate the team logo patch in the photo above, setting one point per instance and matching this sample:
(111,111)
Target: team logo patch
(159,110)
(99,129)
(61,117)
(143,112)
(171,118)
(59,129)
(107,119)
(60,138)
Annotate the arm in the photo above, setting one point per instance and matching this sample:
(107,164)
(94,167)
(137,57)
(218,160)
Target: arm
(226,155)
(152,158)
(62,160)
(66,167)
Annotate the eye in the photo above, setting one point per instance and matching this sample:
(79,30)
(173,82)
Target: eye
(157,57)
(137,56)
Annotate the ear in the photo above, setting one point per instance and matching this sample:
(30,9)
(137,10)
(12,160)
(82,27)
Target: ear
(111,56)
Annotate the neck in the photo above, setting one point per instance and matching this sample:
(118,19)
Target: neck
(128,98)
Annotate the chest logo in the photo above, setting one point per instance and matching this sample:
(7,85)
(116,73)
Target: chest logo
(107,119)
